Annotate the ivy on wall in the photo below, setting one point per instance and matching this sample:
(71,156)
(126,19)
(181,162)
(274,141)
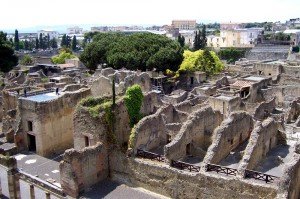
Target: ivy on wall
(133,101)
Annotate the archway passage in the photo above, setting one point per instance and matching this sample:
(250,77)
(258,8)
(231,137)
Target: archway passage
(31,142)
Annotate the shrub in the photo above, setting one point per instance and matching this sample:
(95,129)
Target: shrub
(133,101)
(26,60)
(295,49)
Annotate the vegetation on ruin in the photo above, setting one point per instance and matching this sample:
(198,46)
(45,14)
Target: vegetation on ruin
(61,58)
(140,51)
(95,106)
(45,80)
(231,55)
(7,57)
(133,101)
(132,137)
(26,60)
(201,60)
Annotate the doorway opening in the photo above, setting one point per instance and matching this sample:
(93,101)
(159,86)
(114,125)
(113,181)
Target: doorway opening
(31,142)
(188,149)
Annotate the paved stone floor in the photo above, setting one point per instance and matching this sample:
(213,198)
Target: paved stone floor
(112,190)
(38,166)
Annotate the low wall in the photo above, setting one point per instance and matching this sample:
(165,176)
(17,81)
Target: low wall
(168,181)
(81,169)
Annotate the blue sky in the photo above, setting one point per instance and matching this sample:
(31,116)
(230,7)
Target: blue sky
(29,13)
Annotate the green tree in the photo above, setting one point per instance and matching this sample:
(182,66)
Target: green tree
(48,40)
(231,55)
(7,57)
(196,44)
(74,43)
(53,43)
(201,60)
(37,43)
(41,41)
(138,51)
(64,41)
(61,58)
(203,38)
(181,40)
(16,40)
(26,60)
(26,45)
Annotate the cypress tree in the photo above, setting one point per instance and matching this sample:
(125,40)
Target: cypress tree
(37,44)
(17,44)
(74,43)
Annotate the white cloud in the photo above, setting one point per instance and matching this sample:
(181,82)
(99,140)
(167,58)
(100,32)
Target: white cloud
(28,13)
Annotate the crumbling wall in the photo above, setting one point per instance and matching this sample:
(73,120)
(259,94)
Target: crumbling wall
(197,130)
(264,109)
(293,111)
(150,132)
(230,134)
(102,86)
(96,129)
(289,185)
(263,138)
(81,169)
(171,182)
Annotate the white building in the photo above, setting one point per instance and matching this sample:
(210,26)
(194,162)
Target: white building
(74,30)
(295,36)
(52,34)
(245,37)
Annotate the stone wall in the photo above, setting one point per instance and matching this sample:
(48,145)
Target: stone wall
(152,131)
(96,128)
(263,138)
(267,69)
(52,122)
(80,169)
(290,181)
(102,85)
(7,184)
(230,134)
(264,109)
(197,130)
(225,104)
(168,181)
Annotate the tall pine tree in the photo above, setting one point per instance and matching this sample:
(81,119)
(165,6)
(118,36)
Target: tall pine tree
(41,41)
(17,42)
(74,43)
(203,37)
(37,44)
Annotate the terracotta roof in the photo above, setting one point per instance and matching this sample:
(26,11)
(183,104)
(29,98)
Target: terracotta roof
(241,84)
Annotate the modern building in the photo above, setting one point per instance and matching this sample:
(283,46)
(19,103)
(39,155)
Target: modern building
(295,36)
(245,37)
(52,34)
(74,30)
(184,24)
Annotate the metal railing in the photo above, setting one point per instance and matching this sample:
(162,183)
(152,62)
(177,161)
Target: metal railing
(260,176)
(38,92)
(150,155)
(185,166)
(221,169)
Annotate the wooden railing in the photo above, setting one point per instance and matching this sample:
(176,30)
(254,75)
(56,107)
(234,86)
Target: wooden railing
(260,176)
(150,155)
(183,165)
(221,169)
